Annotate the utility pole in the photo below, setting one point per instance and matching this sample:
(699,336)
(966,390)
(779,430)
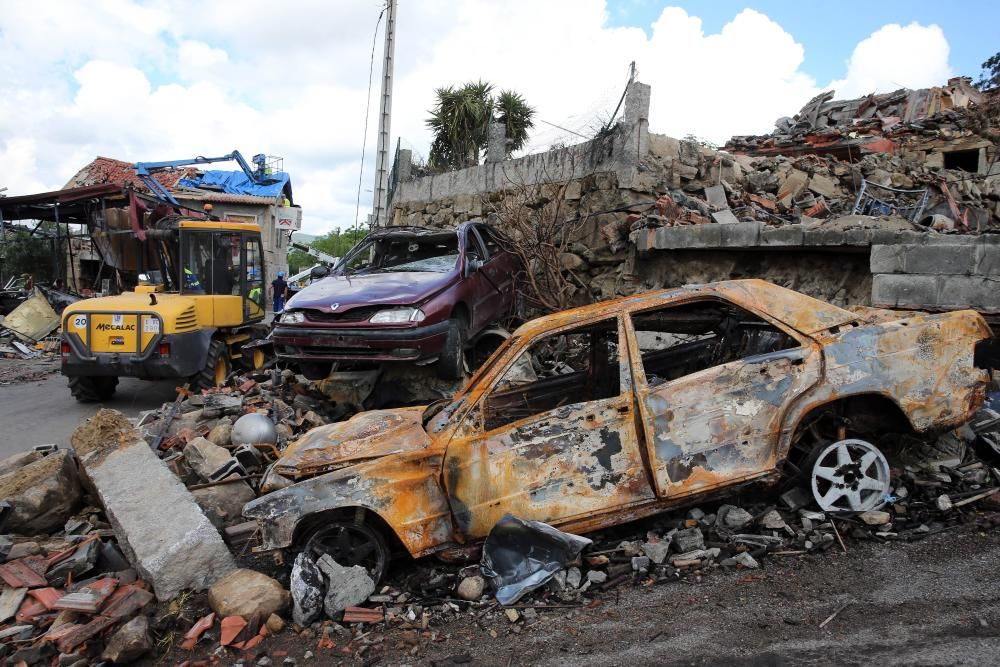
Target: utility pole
(380,203)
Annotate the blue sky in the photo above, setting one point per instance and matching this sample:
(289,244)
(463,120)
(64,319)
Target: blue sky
(830,30)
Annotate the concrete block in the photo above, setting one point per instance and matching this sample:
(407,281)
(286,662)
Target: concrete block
(969,292)
(704,236)
(886,259)
(901,290)
(716,196)
(988,260)
(725,217)
(670,238)
(857,237)
(741,235)
(884,236)
(832,236)
(938,259)
(786,235)
(163,532)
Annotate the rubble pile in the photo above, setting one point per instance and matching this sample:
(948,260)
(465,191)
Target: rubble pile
(219,441)
(71,595)
(870,156)
(782,190)
(932,112)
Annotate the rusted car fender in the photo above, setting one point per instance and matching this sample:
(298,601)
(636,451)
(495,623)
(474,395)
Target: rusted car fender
(923,364)
(402,490)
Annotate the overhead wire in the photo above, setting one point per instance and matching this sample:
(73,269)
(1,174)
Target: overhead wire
(368,106)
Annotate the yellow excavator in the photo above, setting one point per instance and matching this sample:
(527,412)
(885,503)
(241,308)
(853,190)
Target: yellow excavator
(189,316)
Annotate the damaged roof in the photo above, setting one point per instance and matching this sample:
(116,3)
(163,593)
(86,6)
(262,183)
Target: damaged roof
(189,182)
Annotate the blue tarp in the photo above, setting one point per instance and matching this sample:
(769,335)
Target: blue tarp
(238,183)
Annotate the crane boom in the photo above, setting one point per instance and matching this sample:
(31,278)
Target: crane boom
(144,170)
(312,252)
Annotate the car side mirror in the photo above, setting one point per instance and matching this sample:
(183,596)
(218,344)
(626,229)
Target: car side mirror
(319,271)
(472,264)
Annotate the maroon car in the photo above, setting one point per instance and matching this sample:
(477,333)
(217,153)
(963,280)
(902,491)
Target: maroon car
(402,294)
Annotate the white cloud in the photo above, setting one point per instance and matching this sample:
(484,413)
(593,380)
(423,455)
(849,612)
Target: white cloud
(895,56)
(169,79)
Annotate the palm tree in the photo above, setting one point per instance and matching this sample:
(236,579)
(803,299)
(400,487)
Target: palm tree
(461,118)
(513,111)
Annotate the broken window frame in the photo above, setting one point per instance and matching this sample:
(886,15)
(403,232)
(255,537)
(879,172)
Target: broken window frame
(472,420)
(634,340)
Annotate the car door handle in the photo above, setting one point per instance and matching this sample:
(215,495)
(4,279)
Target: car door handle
(624,410)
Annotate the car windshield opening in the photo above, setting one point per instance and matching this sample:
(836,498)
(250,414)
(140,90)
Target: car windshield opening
(434,254)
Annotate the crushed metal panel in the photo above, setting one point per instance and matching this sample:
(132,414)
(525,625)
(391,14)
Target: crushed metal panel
(34,319)
(800,312)
(924,363)
(403,489)
(366,435)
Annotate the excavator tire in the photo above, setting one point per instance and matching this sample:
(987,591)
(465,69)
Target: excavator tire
(216,370)
(92,389)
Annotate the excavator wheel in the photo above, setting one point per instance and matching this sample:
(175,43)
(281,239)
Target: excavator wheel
(216,370)
(92,389)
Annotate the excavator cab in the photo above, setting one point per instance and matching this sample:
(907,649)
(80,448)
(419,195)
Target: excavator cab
(223,260)
(200,300)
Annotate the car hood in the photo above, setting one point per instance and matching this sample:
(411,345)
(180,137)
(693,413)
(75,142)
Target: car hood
(365,436)
(400,289)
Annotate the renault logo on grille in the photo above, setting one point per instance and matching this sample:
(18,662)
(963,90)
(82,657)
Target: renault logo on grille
(335,306)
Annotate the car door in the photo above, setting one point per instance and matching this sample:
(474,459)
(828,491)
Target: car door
(553,438)
(712,382)
(477,287)
(498,274)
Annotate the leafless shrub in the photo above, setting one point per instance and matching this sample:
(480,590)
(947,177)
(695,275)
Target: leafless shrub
(538,231)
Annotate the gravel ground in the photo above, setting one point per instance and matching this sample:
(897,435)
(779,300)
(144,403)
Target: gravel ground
(931,602)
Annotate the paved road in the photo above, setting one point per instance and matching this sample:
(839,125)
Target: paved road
(42,411)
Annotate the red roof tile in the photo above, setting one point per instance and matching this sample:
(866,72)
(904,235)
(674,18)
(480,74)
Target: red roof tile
(25,572)
(119,172)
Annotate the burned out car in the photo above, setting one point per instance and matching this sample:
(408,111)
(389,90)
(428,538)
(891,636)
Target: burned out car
(401,294)
(612,412)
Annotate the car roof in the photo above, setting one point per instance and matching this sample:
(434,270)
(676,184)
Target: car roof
(799,311)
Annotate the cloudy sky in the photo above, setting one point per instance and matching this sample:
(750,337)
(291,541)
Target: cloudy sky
(166,79)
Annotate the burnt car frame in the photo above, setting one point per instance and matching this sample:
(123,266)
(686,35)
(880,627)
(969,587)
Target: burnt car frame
(649,402)
(402,294)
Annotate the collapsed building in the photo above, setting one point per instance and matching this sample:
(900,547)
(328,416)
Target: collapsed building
(93,217)
(888,200)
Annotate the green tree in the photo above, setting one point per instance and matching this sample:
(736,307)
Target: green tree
(23,253)
(990,76)
(336,243)
(461,118)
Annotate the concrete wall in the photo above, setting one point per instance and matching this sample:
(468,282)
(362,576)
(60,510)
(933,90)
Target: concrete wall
(460,193)
(941,272)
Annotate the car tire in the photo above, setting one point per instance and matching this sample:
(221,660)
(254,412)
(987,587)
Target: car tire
(92,389)
(451,364)
(350,543)
(216,370)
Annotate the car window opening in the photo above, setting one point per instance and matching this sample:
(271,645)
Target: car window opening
(681,340)
(566,368)
(434,254)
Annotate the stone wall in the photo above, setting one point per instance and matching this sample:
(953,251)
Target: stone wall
(605,163)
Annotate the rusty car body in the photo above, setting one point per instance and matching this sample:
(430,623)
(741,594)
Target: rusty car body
(649,402)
